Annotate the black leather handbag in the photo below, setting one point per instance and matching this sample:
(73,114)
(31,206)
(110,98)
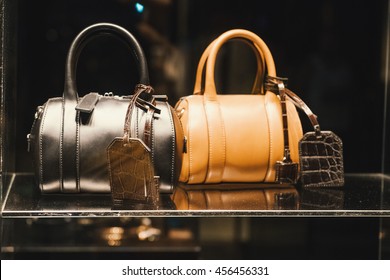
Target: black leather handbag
(70,135)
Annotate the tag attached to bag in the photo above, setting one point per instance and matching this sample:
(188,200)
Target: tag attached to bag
(321,160)
(286,172)
(320,152)
(131,175)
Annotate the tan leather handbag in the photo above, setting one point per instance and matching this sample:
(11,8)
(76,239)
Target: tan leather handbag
(237,137)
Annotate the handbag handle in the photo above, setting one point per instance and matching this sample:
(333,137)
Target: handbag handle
(210,89)
(257,85)
(70,90)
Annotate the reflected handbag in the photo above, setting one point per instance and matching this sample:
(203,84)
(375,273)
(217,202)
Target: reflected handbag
(236,197)
(70,135)
(241,137)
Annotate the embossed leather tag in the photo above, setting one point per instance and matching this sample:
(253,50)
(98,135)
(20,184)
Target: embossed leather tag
(321,160)
(286,172)
(131,174)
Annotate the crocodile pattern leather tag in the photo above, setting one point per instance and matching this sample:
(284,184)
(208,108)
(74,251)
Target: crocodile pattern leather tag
(286,172)
(321,160)
(131,174)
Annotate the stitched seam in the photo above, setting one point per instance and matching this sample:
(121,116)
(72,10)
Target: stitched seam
(173,137)
(209,137)
(78,151)
(136,123)
(152,136)
(182,133)
(189,143)
(224,141)
(41,145)
(270,139)
(61,146)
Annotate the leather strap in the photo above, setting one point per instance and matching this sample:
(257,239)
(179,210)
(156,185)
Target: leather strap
(69,142)
(132,104)
(148,130)
(210,89)
(297,101)
(257,85)
(285,121)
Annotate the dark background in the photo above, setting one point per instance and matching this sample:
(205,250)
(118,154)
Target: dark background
(333,53)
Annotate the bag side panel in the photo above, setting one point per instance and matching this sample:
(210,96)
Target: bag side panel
(195,161)
(247,138)
(48,147)
(274,115)
(97,131)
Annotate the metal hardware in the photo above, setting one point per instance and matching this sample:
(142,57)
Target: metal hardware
(317,131)
(185,144)
(28,142)
(38,112)
(180,114)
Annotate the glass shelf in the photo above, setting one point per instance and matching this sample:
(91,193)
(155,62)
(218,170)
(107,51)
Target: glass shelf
(90,237)
(363,195)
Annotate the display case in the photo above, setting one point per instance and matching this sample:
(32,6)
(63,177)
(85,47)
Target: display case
(336,56)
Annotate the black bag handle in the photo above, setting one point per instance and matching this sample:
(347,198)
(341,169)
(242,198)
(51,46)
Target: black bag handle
(70,89)
(70,136)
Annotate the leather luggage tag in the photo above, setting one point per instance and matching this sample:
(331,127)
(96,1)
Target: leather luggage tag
(286,172)
(132,180)
(321,160)
(320,152)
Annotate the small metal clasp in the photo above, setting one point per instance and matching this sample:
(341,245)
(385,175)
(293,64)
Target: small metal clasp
(38,112)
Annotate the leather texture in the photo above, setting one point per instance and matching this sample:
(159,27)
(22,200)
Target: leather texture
(286,169)
(70,135)
(130,164)
(131,173)
(320,152)
(236,197)
(321,159)
(235,138)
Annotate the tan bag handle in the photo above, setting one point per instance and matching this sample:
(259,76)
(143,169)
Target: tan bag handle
(210,90)
(257,85)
